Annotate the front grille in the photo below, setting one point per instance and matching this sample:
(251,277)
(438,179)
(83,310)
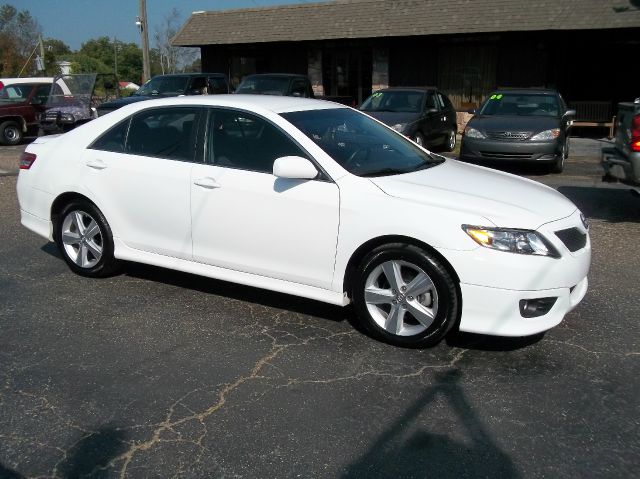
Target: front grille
(508,135)
(506,156)
(573,239)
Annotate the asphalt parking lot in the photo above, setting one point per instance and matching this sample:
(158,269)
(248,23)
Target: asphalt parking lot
(154,373)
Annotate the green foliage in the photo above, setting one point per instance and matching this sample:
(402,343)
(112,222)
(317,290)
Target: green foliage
(19,32)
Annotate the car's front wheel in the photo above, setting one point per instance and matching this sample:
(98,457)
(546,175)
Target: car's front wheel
(404,296)
(85,240)
(558,165)
(10,133)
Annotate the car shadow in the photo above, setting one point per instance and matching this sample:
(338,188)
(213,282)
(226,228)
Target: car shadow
(616,205)
(237,291)
(481,342)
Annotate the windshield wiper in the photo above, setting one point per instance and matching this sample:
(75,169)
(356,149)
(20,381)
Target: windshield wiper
(385,172)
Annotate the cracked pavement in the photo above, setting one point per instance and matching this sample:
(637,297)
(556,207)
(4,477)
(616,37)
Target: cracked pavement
(155,373)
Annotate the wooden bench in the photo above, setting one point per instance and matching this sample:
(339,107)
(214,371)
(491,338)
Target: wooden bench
(594,114)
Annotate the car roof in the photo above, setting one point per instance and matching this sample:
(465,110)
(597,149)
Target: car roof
(520,91)
(408,88)
(190,74)
(283,75)
(258,103)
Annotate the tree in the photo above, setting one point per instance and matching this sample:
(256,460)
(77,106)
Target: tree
(19,34)
(172,59)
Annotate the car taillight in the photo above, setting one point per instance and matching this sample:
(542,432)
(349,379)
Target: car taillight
(1,85)
(635,133)
(26,160)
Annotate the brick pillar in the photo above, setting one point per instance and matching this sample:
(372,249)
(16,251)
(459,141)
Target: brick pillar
(314,71)
(380,73)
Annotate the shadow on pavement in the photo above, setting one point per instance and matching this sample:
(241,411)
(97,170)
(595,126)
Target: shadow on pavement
(481,342)
(403,451)
(616,205)
(236,291)
(89,457)
(93,453)
(6,473)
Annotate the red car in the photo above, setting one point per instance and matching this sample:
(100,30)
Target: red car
(20,105)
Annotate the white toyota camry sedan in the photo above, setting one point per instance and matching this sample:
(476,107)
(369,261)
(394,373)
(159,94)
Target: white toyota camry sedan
(313,199)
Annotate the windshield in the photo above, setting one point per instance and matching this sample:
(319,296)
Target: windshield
(519,104)
(264,85)
(360,144)
(397,101)
(73,90)
(164,86)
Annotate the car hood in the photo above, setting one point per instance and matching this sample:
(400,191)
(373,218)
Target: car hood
(503,199)
(120,102)
(392,117)
(513,123)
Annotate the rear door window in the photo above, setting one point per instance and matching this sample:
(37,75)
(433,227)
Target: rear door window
(168,132)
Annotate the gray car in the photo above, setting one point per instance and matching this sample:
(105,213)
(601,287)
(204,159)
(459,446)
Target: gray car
(527,125)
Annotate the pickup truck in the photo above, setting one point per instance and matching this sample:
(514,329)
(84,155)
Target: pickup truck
(622,161)
(20,105)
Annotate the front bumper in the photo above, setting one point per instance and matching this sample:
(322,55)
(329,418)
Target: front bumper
(493,282)
(486,149)
(620,167)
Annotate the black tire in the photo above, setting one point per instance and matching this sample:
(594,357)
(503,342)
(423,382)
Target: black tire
(66,227)
(450,141)
(419,139)
(10,133)
(444,303)
(558,164)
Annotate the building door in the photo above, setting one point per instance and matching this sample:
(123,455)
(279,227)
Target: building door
(346,74)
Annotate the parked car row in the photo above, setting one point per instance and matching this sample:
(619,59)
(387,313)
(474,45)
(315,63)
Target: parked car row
(526,125)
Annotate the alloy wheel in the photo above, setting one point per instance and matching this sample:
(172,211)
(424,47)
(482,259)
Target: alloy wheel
(82,239)
(401,298)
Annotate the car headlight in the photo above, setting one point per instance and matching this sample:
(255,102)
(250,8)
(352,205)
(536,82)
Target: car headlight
(473,133)
(399,127)
(546,135)
(511,240)
(67,118)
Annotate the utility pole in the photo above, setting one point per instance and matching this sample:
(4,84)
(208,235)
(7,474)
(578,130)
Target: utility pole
(115,57)
(142,23)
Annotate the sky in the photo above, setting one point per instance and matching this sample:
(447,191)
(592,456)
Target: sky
(76,21)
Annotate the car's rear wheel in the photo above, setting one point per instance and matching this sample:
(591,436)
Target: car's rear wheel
(10,133)
(450,144)
(404,296)
(85,240)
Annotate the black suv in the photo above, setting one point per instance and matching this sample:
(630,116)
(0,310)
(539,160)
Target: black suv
(281,84)
(162,86)
(522,125)
(423,114)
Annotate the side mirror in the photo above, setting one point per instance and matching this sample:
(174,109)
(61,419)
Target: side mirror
(294,167)
(570,113)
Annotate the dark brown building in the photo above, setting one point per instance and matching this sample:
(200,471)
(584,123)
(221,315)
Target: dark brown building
(586,48)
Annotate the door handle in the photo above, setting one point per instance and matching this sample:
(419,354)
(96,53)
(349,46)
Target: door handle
(96,164)
(207,182)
